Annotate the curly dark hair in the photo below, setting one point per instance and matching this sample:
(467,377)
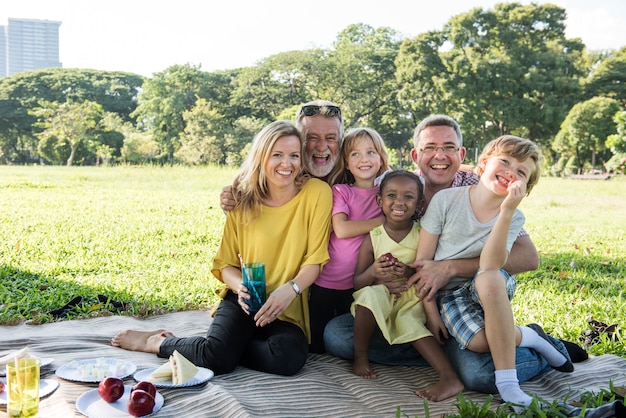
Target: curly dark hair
(420,208)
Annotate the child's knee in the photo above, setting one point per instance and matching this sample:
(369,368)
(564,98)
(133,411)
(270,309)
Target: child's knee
(490,282)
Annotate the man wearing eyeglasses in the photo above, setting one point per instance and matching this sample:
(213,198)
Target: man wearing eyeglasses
(438,153)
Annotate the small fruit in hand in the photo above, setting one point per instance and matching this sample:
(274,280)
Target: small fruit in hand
(140,403)
(1,387)
(389,257)
(111,389)
(147,386)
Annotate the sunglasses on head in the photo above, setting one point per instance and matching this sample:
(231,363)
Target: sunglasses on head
(312,110)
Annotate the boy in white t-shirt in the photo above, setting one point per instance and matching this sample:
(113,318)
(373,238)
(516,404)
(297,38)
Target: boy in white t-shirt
(477,312)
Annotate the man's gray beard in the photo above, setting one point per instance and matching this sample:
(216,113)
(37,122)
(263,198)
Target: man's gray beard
(321,171)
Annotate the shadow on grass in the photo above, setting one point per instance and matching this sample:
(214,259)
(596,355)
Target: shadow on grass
(37,299)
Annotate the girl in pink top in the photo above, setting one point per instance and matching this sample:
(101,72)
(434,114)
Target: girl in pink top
(355,213)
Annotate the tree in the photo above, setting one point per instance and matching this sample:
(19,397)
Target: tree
(165,98)
(617,141)
(506,70)
(360,76)
(116,92)
(276,82)
(238,142)
(139,148)
(585,130)
(15,144)
(199,144)
(66,126)
(608,79)
(420,73)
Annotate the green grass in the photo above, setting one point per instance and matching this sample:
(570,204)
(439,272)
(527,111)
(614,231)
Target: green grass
(140,235)
(579,229)
(539,408)
(147,236)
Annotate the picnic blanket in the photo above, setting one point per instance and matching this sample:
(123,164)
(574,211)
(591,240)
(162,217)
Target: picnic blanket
(325,387)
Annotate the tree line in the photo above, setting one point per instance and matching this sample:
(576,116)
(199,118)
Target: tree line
(509,69)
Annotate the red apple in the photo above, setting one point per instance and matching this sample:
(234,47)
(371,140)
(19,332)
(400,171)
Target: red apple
(389,257)
(111,389)
(140,403)
(147,386)
(1,387)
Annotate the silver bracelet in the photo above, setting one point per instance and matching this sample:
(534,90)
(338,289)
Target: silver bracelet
(295,286)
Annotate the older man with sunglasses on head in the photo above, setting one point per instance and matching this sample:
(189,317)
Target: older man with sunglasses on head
(321,125)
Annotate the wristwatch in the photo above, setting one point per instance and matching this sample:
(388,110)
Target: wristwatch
(296,288)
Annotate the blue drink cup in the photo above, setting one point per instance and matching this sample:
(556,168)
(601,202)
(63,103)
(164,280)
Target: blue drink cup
(254,281)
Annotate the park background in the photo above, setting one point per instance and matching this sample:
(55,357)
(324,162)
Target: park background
(509,69)
(139,221)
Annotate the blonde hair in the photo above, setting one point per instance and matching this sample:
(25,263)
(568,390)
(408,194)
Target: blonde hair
(340,173)
(250,186)
(516,147)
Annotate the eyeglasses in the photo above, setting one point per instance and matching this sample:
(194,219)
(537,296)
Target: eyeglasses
(447,149)
(312,110)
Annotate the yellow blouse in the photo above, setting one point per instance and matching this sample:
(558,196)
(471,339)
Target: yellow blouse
(285,238)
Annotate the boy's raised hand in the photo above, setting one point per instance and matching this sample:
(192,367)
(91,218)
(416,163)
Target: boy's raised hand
(516,192)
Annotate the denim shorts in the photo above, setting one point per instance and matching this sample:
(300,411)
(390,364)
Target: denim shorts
(461,309)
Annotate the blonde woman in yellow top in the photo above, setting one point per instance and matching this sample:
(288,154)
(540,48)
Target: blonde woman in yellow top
(281,219)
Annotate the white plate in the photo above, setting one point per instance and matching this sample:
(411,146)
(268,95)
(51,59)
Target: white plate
(46,387)
(203,375)
(92,405)
(72,371)
(43,362)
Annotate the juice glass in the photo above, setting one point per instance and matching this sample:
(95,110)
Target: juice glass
(23,388)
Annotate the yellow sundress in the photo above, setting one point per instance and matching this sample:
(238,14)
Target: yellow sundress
(401,319)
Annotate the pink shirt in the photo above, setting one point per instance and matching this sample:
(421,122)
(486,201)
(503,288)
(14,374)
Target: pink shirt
(357,204)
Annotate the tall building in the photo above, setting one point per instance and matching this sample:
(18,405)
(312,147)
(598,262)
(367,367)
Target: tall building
(3,52)
(28,44)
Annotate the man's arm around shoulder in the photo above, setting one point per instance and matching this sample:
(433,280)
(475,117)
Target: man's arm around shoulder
(523,256)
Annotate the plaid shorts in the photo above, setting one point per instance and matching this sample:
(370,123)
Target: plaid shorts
(461,310)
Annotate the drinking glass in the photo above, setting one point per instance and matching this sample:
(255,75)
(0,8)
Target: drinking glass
(254,281)
(23,388)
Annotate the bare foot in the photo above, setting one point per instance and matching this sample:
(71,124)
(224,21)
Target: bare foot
(145,341)
(443,389)
(361,367)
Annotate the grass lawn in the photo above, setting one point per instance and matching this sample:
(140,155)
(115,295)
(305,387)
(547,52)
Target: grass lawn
(146,236)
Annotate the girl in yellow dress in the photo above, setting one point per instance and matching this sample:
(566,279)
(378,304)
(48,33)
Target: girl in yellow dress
(387,251)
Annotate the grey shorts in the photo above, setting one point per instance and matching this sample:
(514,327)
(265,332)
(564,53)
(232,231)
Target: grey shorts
(461,310)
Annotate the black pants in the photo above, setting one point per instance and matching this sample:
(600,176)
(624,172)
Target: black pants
(324,305)
(234,339)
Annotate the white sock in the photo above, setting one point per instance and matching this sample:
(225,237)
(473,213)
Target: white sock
(531,339)
(509,389)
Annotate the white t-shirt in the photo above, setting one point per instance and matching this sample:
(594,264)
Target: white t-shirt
(461,235)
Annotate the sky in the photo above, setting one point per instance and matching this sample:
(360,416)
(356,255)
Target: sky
(147,37)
